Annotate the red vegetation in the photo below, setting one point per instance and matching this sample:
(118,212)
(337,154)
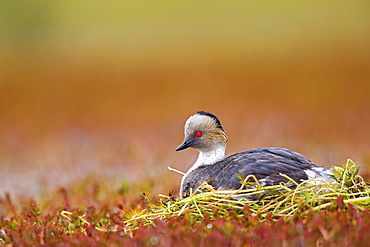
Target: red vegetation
(340,225)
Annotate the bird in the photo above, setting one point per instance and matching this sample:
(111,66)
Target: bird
(205,133)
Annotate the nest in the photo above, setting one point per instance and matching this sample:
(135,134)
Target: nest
(271,202)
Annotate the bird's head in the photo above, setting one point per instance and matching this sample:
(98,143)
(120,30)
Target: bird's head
(203,132)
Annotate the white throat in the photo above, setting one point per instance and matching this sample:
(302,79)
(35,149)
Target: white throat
(210,157)
(206,158)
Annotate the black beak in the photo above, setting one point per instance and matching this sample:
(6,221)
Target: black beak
(184,145)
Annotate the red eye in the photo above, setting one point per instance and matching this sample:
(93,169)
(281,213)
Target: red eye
(198,134)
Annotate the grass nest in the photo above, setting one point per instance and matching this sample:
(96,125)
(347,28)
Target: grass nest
(274,201)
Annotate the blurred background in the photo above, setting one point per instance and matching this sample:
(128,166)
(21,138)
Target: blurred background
(96,92)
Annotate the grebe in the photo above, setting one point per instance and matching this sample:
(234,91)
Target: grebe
(204,132)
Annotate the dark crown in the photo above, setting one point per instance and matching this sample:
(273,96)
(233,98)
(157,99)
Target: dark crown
(204,113)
